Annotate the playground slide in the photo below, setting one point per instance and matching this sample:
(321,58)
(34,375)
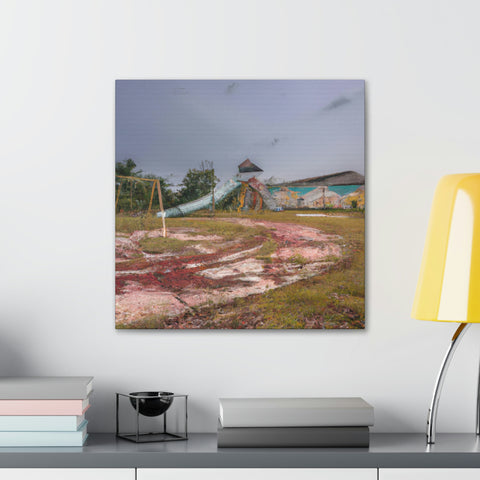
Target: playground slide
(221,191)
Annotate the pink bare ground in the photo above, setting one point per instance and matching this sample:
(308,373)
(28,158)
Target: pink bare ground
(172,284)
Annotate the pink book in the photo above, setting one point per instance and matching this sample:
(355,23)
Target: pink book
(44,407)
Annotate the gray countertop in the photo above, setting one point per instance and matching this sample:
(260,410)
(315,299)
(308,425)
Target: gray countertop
(387,450)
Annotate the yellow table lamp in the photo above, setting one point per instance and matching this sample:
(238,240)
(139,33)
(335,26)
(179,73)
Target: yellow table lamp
(448,288)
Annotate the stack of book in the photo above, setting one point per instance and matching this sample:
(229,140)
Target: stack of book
(44,411)
(294,422)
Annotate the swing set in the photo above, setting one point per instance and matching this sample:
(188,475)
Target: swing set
(155,182)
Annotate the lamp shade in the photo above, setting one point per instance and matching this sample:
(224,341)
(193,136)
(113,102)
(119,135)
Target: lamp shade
(448,287)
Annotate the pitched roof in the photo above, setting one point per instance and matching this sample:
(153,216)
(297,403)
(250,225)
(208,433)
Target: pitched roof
(339,178)
(248,166)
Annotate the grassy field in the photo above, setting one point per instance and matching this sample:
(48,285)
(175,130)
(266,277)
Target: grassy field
(335,299)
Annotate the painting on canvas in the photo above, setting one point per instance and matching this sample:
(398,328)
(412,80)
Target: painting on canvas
(239,204)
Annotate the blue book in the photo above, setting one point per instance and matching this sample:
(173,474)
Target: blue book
(45,439)
(41,423)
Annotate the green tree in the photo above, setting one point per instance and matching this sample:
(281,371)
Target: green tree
(197,182)
(126,168)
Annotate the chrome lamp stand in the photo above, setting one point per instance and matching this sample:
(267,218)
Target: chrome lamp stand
(432,412)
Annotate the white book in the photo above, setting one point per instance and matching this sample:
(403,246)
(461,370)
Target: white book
(45,388)
(295,412)
(40,423)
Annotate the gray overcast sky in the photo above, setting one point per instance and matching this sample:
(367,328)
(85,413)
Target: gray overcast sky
(290,128)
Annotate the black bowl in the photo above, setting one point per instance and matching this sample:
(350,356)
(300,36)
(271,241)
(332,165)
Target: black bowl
(152,407)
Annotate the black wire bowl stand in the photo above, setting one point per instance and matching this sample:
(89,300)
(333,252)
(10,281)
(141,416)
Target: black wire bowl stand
(150,437)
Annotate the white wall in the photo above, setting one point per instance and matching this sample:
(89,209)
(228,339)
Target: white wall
(59,61)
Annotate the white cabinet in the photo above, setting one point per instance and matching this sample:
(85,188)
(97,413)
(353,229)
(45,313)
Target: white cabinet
(67,474)
(257,473)
(239,474)
(429,474)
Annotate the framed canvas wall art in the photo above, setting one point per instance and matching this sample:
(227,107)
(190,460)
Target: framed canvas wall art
(240,204)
